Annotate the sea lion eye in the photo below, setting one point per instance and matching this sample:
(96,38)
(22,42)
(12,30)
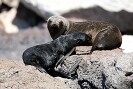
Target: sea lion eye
(49,21)
(78,41)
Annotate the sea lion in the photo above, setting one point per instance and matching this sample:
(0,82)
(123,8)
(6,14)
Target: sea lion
(47,55)
(105,36)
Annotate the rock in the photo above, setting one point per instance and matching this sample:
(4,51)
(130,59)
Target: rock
(107,69)
(46,8)
(15,75)
(37,6)
(26,18)
(73,84)
(6,19)
(0,2)
(100,14)
(22,20)
(11,3)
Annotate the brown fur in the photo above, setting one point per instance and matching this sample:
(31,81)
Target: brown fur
(105,36)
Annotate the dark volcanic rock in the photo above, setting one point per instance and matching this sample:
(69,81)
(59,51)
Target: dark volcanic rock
(103,69)
(122,19)
(104,73)
(26,18)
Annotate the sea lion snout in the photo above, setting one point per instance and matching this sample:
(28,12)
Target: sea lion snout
(57,24)
(54,26)
(59,21)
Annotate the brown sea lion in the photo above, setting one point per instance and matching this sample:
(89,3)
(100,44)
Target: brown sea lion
(105,36)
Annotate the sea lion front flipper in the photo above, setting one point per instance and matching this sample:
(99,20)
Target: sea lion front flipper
(69,68)
(42,70)
(60,61)
(71,71)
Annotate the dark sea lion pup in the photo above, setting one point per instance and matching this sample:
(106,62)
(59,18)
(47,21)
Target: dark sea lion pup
(47,55)
(105,36)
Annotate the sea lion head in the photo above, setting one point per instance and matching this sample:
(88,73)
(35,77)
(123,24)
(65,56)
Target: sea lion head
(29,58)
(57,25)
(81,39)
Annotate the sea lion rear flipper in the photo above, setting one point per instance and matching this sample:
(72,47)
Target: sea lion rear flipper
(100,41)
(107,39)
(60,61)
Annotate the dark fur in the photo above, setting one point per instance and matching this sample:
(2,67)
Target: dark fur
(105,36)
(47,55)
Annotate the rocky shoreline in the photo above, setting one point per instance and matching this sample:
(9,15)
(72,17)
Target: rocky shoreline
(102,70)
